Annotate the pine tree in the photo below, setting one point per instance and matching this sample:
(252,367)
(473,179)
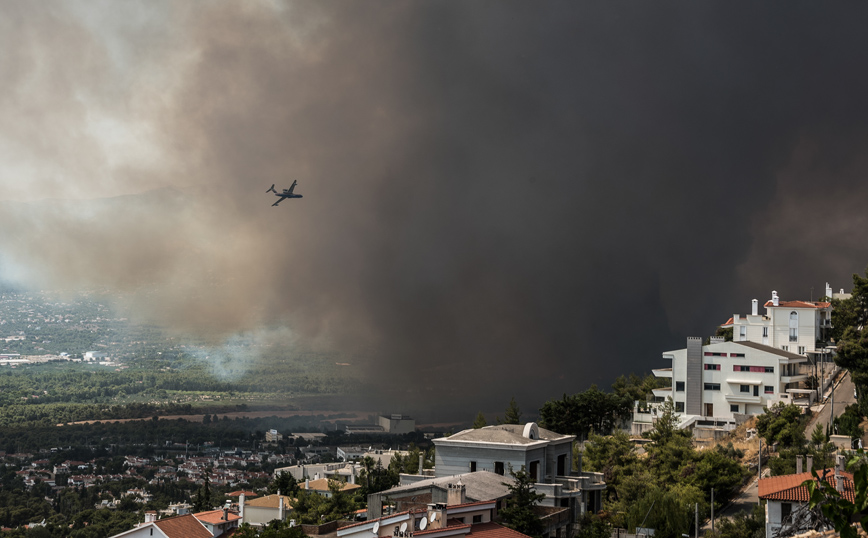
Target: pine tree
(519,514)
(479,422)
(513,413)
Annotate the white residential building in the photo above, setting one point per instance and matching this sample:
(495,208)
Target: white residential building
(713,383)
(794,326)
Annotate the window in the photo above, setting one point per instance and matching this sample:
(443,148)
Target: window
(785,348)
(712,386)
(744,388)
(733,408)
(679,407)
(498,467)
(765,332)
(712,367)
(786,510)
(742,332)
(534,470)
(801,350)
(758,369)
(768,389)
(472,466)
(460,520)
(562,465)
(794,326)
(736,354)
(679,386)
(477,518)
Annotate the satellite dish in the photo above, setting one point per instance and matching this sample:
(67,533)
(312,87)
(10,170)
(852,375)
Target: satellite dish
(432,517)
(404,527)
(423,524)
(376,527)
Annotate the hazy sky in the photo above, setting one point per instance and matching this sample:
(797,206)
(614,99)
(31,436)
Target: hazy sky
(500,198)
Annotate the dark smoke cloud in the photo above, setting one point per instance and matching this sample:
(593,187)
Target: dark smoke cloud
(500,198)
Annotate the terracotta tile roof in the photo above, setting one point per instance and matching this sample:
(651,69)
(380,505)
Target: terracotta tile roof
(185,526)
(270,501)
(493,530)
(246,494)
(799,304)
(451,525)
(215,517)
(728,323)
(789,487)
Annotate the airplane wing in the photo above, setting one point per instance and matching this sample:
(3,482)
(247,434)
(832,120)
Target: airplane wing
(292,187)
(278,201)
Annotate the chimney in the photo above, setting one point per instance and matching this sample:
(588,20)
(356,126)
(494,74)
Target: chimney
(775,298)
(225,514)
(455,494)
(828,290)
(150,516)
(438,511)
(241,506)
(799,464)
(421,462)
(810,463)
(754,307)
(839,482)
(281,515)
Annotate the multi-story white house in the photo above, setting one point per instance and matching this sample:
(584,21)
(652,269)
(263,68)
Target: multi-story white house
(770,359)
(794,326)
(713,383)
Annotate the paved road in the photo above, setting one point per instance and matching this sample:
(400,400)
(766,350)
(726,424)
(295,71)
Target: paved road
(843,398)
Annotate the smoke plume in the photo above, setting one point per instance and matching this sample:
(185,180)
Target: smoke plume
(500,198)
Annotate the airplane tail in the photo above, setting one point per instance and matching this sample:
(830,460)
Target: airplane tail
(272,189)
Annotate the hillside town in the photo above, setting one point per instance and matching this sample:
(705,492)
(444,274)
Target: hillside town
(773,376)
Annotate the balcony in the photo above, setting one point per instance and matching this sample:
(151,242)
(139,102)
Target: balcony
(743,397)
(794,378)
(662,393)
(662,372)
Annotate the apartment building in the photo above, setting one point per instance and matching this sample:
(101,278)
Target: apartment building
(713,383)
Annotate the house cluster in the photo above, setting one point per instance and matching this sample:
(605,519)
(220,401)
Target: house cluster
(459,497)
(220,469)
(781,355)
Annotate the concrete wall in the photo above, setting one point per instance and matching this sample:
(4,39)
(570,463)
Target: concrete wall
(449,461)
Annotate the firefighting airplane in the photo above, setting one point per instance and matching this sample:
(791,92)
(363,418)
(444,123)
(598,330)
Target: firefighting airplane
(287,193)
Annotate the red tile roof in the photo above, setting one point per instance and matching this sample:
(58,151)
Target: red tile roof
(493,530)
(185,526)
(728,323)
(799,304)
(789,487)
(215,517)
(238,494)
(451,525)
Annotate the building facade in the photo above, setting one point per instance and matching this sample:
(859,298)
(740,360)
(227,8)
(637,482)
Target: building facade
(712,384)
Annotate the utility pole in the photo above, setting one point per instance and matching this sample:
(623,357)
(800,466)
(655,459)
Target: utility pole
(832,415)
(712,510)
(760,466)
(696,532)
